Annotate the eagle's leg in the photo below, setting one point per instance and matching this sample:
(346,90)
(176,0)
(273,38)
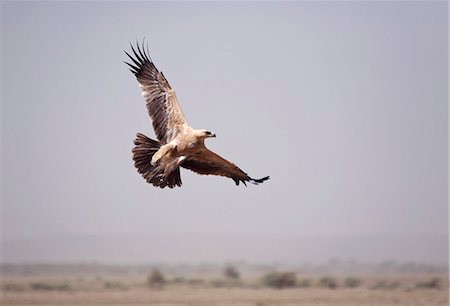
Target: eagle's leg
(163,151)
(172,166)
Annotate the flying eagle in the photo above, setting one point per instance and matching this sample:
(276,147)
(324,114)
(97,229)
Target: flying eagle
(178,144)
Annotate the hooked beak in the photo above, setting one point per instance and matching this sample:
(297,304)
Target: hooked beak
(210,134)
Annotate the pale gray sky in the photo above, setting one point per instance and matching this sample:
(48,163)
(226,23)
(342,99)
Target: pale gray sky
(343,104)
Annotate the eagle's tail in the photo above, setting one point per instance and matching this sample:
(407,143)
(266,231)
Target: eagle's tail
(143,152)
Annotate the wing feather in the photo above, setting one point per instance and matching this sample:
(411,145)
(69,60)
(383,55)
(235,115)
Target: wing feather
(161,101)
(207,162)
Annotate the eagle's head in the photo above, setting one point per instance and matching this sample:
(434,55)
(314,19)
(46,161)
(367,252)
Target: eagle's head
(205,134)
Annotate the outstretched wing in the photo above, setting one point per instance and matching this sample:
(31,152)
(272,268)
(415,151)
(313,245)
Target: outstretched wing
(161,101)
(205,161)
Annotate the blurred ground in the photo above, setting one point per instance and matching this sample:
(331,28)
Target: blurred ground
(205,285)
(230,296)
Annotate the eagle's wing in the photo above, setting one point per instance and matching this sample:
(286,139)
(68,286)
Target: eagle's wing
(205,161)
(161,101)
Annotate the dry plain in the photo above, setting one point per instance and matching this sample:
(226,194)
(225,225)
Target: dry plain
(236,297)
(133,290)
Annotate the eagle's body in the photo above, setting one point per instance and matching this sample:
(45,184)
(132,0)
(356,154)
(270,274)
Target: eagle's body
(178,144)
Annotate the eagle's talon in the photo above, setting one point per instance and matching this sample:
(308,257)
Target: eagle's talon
(155,160)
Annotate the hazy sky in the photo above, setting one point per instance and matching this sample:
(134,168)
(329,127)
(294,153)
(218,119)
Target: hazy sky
(343,104)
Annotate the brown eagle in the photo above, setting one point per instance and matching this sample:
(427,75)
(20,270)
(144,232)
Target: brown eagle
(178,144)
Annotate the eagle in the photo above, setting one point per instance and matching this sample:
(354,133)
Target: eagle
(178,144)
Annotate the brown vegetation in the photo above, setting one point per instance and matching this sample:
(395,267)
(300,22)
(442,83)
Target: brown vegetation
(156,279)
(280,280)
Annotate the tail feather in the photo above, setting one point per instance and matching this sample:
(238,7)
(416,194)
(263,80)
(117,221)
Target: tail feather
(143,152)
(174,178)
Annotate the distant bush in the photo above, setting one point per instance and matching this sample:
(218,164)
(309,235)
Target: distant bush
(41,286)
(156,279)
(12,287)
(304,283)
(352,282)
(179,280)
(114,285)
(384,285)
(434,283)
(380,285)
(328,282)
(231,273)
(49,287)
(280,280)
(217,283)
(393,285)
(195,281)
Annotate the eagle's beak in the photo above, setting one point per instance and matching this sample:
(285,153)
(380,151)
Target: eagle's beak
(209,134)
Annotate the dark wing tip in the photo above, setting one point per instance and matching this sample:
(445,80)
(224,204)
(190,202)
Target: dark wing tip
(133,69)
(139,59)
(259,181)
